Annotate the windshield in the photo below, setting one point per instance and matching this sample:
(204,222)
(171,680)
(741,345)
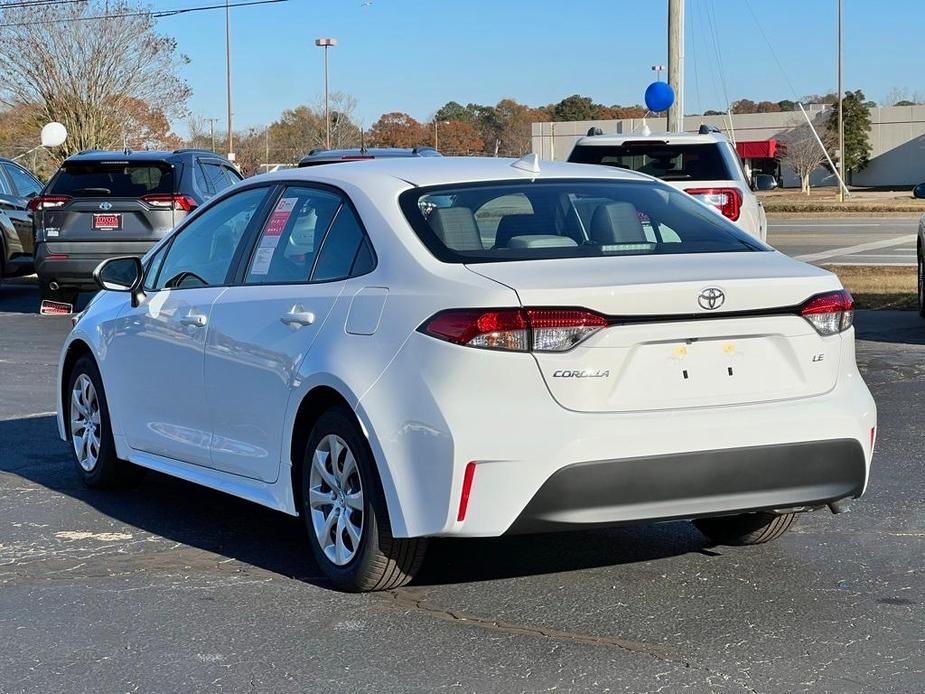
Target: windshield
(113,179)
(571,218)
(669,162)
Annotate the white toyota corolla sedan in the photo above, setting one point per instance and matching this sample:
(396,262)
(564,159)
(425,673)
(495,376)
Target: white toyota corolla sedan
(400,349)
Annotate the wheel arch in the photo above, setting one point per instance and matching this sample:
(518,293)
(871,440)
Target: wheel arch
(316,401)
(75,350)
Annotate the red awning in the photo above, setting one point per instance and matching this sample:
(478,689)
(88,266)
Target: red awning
(757,149)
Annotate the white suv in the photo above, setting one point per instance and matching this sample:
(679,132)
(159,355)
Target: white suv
(703,164)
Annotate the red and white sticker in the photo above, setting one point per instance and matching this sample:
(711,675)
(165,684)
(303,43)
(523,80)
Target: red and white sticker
(56,308)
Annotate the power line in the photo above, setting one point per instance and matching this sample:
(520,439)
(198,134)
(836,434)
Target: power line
(36,3)
(155,14)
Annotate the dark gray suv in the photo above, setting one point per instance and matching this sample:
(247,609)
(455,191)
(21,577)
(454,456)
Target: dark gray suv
(17,188)
(105,204)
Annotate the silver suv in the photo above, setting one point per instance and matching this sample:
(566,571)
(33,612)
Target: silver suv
(703,164)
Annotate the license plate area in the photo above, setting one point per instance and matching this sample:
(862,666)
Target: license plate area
(107,222)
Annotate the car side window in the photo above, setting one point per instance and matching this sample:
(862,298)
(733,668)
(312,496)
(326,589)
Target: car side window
(26,184)
(290,238)
(346,251)
(202,182)
(201,253)
(216,175)
(232,174)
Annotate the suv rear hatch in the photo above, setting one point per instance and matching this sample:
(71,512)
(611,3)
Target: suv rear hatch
(112,200)
(663,348)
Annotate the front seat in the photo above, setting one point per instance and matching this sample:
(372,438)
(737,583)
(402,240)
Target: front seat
(512,225)
(456,228)
(617,222)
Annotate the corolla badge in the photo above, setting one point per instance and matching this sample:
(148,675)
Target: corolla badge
(105,205)
(711,298)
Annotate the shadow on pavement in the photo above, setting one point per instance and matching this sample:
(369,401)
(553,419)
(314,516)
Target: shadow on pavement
(222,524)
(21,295)
(902,327)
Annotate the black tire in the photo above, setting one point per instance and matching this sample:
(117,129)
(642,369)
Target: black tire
(380,561)
(108,471)
(746,528)
(62,295)
(921,281)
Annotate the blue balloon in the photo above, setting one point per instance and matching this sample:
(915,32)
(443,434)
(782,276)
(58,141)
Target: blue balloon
(659,96)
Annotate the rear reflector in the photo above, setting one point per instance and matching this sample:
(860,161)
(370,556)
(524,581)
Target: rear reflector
(466,488)
(56,256)
(44,202)
(515,329)
(173,202)
(829,313)
(727,200)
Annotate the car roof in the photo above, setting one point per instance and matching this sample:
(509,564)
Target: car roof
(663,137)
(144,155)
(427,171)
(318,155)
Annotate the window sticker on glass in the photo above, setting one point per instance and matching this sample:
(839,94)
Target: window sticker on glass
(278,219)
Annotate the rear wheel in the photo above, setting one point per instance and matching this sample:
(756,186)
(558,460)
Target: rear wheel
(345,511)
(90,433)
(746,528)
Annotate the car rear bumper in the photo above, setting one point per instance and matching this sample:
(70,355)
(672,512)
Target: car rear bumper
(687,485)
(439,407)
(72,264)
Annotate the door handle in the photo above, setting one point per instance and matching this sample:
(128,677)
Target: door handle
(197,320)
(298,317)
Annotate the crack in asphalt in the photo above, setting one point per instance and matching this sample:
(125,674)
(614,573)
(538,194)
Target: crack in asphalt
(416,600)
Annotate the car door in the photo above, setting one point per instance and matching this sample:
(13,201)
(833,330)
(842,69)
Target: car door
(14,201)
(262,329)
(155,357)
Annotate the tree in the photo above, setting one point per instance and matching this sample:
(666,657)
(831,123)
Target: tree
(397,130)
(515,129)
(147,128)
(452,110)
(744,106)
(574,107)
(90,74)
(856,116)
(786,105)
(458,137)
(802,153)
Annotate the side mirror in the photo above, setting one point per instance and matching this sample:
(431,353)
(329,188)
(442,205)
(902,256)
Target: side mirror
(122,274)
(919,191)
(764,182)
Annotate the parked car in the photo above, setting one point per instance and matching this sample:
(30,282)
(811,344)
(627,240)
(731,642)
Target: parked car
(331,156)
(920,255)
(17,187)
(408,348)
(703,164)
(105,204)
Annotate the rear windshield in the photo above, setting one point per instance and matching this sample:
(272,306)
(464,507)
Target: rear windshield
(572,218)
(669,162)
(113,179)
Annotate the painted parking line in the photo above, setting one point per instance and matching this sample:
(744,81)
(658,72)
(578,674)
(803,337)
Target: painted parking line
(859,248)
(32,415)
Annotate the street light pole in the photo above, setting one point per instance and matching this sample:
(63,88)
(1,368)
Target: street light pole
(228,76)
(212,130)
(325,44)
(841,118)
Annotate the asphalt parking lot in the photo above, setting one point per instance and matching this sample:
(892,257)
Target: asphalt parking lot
(846,240)
(169,587)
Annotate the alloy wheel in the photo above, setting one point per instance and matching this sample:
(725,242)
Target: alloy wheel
(85,423)
(336,499)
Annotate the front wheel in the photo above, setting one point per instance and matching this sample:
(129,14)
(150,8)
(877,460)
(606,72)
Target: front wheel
(746,528)
(90,432)
(345,511)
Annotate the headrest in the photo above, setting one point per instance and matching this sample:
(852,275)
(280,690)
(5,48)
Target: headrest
(617,222)
(456,227)
(512,225)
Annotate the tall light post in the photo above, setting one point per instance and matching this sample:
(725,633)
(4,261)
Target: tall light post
(841,116)
(212,130)
(326,44)
(228,76)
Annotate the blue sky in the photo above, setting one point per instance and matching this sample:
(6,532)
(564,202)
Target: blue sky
(415,55)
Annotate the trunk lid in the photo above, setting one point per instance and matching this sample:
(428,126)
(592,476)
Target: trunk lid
(663,350)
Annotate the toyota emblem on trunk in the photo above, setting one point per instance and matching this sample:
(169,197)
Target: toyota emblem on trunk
(711,298)
(105,205)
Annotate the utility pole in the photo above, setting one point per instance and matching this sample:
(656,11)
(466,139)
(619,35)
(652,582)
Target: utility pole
(676,64)
(212,122)
(326,44)
(436,146)
(841,117)
(266,136)
(228,75)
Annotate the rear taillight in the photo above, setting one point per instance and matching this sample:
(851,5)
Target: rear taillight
(515,329)
(45,202)
(830,313)
(171,202)
(727,200)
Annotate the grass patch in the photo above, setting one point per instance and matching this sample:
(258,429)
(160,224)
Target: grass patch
(825,200)
(876,287)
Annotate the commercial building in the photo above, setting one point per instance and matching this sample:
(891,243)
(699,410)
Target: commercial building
(897,138)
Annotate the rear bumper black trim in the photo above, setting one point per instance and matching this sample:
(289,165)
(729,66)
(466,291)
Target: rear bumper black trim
(688,485)
(77,269)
